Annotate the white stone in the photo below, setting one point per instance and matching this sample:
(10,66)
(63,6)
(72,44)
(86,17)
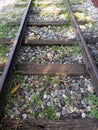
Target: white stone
(45,96)
(12,116)
(83,115)
(63,112)
(24,116)
(58,114)
(88,108)
(64,96)
(17,112)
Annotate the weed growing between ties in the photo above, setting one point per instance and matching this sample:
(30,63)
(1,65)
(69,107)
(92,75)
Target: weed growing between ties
(68,101)
(59,7)
(82,16)
(50,113)
(93,100)
(15,85)
(68,51)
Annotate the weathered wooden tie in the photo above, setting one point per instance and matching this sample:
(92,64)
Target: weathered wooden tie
(47,23)
(31,42)
(90,40)
(57,69)
(42,69)
(68,124)
(42,23)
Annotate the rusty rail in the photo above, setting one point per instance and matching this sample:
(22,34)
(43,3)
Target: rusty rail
(8,70)
(88,59)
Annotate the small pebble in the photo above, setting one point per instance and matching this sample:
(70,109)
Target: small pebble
(83,115)
(24,116)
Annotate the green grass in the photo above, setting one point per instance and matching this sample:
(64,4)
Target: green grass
(20,5)
(31,113)
(36,4)
(93,100)
(4,50)
(92,29)
(7,31)
(76,48)
(10,15)
(83,16)
(50,113)
(64,9)
(68,51)
(22,0)
(61,52)
(35,100)
(68,101)
(50,80)
(16,81)
(76,1)
(43,5)
(59,29)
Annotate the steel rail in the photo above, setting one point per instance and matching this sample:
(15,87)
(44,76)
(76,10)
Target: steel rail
(88,59)
(9,68)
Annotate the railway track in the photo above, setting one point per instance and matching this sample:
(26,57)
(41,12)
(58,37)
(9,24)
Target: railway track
(89,66)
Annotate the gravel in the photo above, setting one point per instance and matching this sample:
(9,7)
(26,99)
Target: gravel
(49,13)
(94,51)
(51,17)
(66,97)
(9,12)
(55,54)
(90,10)
(50,33)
